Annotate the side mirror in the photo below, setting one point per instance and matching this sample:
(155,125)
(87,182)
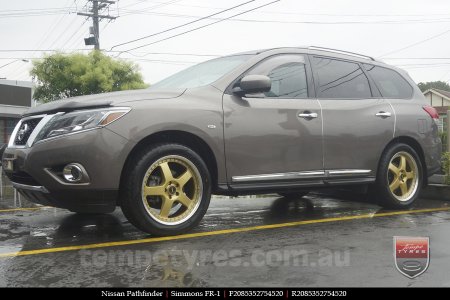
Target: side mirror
(253,84)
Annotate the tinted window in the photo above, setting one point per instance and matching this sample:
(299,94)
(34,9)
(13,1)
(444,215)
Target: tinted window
(340,79)
(390,83)
(202,74)
(288,75)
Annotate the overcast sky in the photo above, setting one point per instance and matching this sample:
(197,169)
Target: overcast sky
(379,28)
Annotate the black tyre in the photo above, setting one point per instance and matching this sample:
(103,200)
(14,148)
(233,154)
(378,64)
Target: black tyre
(294,195)
(166,189)
(399,177)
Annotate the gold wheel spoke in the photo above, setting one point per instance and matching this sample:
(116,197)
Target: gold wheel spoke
(183,199)
(394,169)
(410,175)
(402,165)
(394,185)
(166,207)
(167,173)
(157,190)
(404,188)
(183,179)
(171,189)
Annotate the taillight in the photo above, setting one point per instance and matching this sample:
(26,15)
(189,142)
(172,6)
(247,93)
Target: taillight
(432,112)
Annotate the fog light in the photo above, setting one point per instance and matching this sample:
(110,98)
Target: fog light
(74,173)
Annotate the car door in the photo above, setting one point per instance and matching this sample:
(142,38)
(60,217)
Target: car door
(357,122)
(275,136)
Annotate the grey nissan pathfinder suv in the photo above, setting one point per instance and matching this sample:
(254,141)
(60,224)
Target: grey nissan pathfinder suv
(281,120)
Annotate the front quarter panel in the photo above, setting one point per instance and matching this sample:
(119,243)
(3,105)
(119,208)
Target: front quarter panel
(197,111)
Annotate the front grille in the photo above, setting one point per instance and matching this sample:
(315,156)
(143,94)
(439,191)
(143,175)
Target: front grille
(25,130)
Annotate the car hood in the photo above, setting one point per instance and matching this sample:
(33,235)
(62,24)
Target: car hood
(102,100)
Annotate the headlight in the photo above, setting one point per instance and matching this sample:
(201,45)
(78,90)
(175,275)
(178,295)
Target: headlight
(65,123)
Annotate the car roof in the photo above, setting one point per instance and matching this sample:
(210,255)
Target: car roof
(315,50)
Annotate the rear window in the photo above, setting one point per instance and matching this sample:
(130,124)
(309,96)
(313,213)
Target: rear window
(390,83)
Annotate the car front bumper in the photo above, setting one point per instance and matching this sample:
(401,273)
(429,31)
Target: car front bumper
(36,171)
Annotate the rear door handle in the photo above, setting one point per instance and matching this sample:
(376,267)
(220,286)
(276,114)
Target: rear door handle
(383,114)
(307,115)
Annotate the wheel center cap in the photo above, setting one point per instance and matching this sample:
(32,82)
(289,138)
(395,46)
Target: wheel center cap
(402,176)
(171,189)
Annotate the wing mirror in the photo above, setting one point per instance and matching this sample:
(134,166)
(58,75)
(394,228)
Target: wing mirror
(253,84)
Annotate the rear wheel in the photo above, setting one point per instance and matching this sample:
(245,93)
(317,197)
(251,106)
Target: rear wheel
(167,190)
(294,195)
(399,178)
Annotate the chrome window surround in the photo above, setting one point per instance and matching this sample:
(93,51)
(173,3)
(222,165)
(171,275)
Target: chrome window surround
(47,118)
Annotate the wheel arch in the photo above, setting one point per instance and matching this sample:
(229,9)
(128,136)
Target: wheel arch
(184,138)
(413,143)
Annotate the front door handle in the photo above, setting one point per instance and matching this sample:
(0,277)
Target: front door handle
(307,115)
(383,114)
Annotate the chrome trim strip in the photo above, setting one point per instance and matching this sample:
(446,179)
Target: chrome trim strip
(12,139)
(38,129)
(29,187)
(299,175)
(275,176)
(348,172)
(13,134)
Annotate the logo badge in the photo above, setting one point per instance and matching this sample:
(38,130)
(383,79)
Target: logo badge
(412,255)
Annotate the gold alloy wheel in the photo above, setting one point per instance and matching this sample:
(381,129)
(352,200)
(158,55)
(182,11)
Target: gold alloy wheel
(403,176)
(172,190)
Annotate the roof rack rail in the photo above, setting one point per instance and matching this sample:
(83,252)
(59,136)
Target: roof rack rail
(341,51)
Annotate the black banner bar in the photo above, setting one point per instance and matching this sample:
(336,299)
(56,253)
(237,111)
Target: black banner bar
(219,293)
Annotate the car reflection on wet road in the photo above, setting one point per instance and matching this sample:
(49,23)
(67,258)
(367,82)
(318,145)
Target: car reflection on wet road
(322,239)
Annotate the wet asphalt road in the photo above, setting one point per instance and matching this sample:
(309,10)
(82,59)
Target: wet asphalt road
(317,242)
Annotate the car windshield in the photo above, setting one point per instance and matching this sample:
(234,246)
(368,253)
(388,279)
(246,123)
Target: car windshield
(202,74)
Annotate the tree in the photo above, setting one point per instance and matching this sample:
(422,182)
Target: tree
(440,85)
(61,75)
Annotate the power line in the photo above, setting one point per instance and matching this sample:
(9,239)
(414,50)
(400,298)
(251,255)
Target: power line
(416,43)
(23,68)
(318,14)
(75,33)
(200,27)
(421,58)
(170,53)
(162,4)
(182,25)
(434,20)
(36,50)
(63,32)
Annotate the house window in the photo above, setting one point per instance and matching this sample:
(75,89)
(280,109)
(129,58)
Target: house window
(6,128)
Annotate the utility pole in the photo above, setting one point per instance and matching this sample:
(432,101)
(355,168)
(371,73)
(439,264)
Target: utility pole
(94,12)
(95,24)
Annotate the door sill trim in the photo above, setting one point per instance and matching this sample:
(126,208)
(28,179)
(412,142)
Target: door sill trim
(300,175)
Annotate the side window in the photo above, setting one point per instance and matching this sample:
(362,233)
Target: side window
(340,79)
(390,83)
(288,75)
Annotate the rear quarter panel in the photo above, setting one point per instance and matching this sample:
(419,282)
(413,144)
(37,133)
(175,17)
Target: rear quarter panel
(413,121)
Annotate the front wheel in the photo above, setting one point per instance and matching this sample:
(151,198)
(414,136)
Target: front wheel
(399,178)
(167,190)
